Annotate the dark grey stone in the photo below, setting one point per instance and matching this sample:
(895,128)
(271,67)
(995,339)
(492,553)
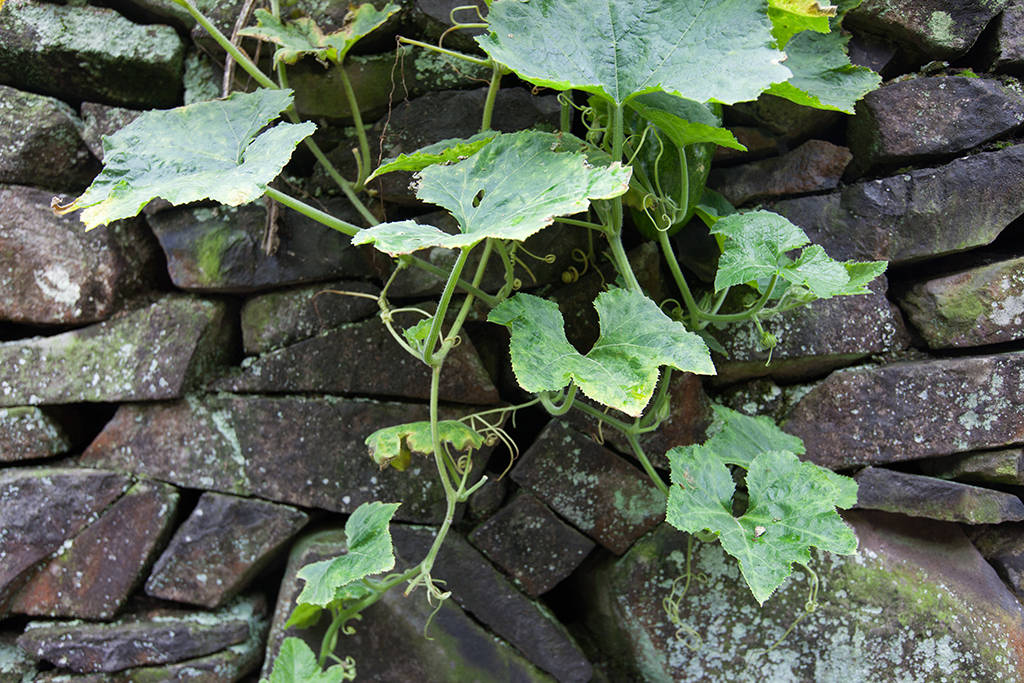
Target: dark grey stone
(923,118)
(1008,45)
(919,214)
(814,166)
(41,143)
(1005,466)
(29,432)
(913,409)
(151,353)
(89,53)
(101,120)
(915,495)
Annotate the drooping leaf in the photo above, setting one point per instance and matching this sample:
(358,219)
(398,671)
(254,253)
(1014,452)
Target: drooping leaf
(621,370)
(861,273)
(703,51)
(369,552)
(713,206)
(792,506)
(443,152)
(790,17)
(209,150)
(304,616)
(300,37)
(754,245)
(296,663)
(394,445)
(823,76)
(490,195)
(685,122)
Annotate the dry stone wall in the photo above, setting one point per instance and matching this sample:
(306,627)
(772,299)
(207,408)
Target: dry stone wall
(183,400)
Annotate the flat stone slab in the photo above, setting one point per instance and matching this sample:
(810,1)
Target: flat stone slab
(151,353)
(1003,546)
(919,214)
(54,50)
(41,143)
(813,340)
(389,643)
(40,509)
(814,166)
(909,410)
(276,319)
(94,573)
(222,249)
(164,636)
(28,432)
(1008,45)
(936,29)
(531,544)
(917,603)
(915,495)
(52,272)
(1004,466)
(922,118)
(983,305)
(485,593)
(591,487)
(363,359)
(297,450)
(222,545)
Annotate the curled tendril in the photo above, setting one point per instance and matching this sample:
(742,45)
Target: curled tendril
(517,284)
(339,292)
(493,432)
(572,274)
(810,605)
(674,600)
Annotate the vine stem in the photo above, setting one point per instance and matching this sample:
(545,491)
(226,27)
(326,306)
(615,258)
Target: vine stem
(492,96)
(357,121)
(444,51)
(645,462)
(442,307)
(615,229)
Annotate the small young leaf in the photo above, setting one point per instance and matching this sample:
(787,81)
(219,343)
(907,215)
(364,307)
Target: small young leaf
(209,150)
(818,272)
(621,370)
(823,76)
(302,36)
(754,246)
(296,663)
(685,122)
(791,508)
(861,273)
(369,552)
(304,616)
(490,196)
(443,152)
(703,51)
(392,445)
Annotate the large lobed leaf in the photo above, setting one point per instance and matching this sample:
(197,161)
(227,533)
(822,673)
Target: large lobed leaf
(736,439)
(300,37)
(704,51)
(395,445)
(511,188)
(792,506)
(754,246)
(621,370)
(790,17)
(368,541)
(209,150)
(823,76)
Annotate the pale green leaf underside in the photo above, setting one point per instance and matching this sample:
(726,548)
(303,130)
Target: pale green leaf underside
(443,152)
(703,51)
(790,17)
(300,37)
(621,370)
(369,552)
(391,443)
(513,187)
(823,76)
(208,150)
(791,508)
(296,663)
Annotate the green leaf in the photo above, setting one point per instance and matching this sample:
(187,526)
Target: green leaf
(754,246)
(816,271)
(296,663)
(703,51)
(790,17)
(393,445)
(736,439)
(861,273)
(490,195)
(369,552)
(823,76)
(685,122)
(302,37)
(791,508)
(304,616)
(621,370)
(713,206)
(209,150)
(443,152)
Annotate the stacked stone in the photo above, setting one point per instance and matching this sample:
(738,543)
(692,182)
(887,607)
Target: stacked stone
(180,396)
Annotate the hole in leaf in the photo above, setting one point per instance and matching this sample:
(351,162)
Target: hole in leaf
(477,198)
